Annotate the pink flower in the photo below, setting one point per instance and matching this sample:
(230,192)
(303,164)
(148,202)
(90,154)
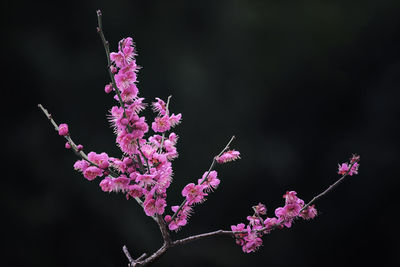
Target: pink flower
(153,206)
(193,193)
(181,218)
(186,209)
(291,197)
(161,124)
(239,237)
(288,213)
(159,106)
(107,184)
(121,184)
(63,129)
(252,241)
(230,155)
(354,169)
(67,145)
(175,119)
(92,172)
(145,179)
(118,59)
(176,223)
(135,190)
(260,209)
(270,223)
(309,213)
(344,168)
(127,143)
(129,93)
(99,159)
(211,182)
(81,165)
(238,228)
(125,78)
(253,220)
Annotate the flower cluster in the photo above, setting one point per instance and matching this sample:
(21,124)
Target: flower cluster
(249,237)
(194,194)
(230,155)
(144,172)
(350,169)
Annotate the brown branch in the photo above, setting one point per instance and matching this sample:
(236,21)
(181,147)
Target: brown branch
(163,229)
(201,236)
(128,255)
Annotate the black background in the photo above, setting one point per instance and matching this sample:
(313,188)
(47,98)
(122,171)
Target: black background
(302,85)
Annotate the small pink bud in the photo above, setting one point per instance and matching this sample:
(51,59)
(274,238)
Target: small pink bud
(79,147)
(108,88)
(113,69)
(67,145)
(167,218)
(63,129)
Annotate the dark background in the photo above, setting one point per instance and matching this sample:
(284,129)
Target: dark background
(302,85)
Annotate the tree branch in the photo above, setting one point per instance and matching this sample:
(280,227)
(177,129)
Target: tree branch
(330,188)
(201,236)
(80,152)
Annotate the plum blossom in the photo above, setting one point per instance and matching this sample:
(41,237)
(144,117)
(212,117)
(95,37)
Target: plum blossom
(309,213)
(154,206)
(193,193)
(63,129)
(211,182)
(252,241)
(345,168)
(92,172)
(230,155)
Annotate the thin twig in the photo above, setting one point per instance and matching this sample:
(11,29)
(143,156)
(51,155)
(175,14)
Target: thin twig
(107,50)
(80,152)
(201,236)
(128,255)
(330,188)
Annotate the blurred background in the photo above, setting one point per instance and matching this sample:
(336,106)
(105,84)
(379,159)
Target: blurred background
(302,85)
